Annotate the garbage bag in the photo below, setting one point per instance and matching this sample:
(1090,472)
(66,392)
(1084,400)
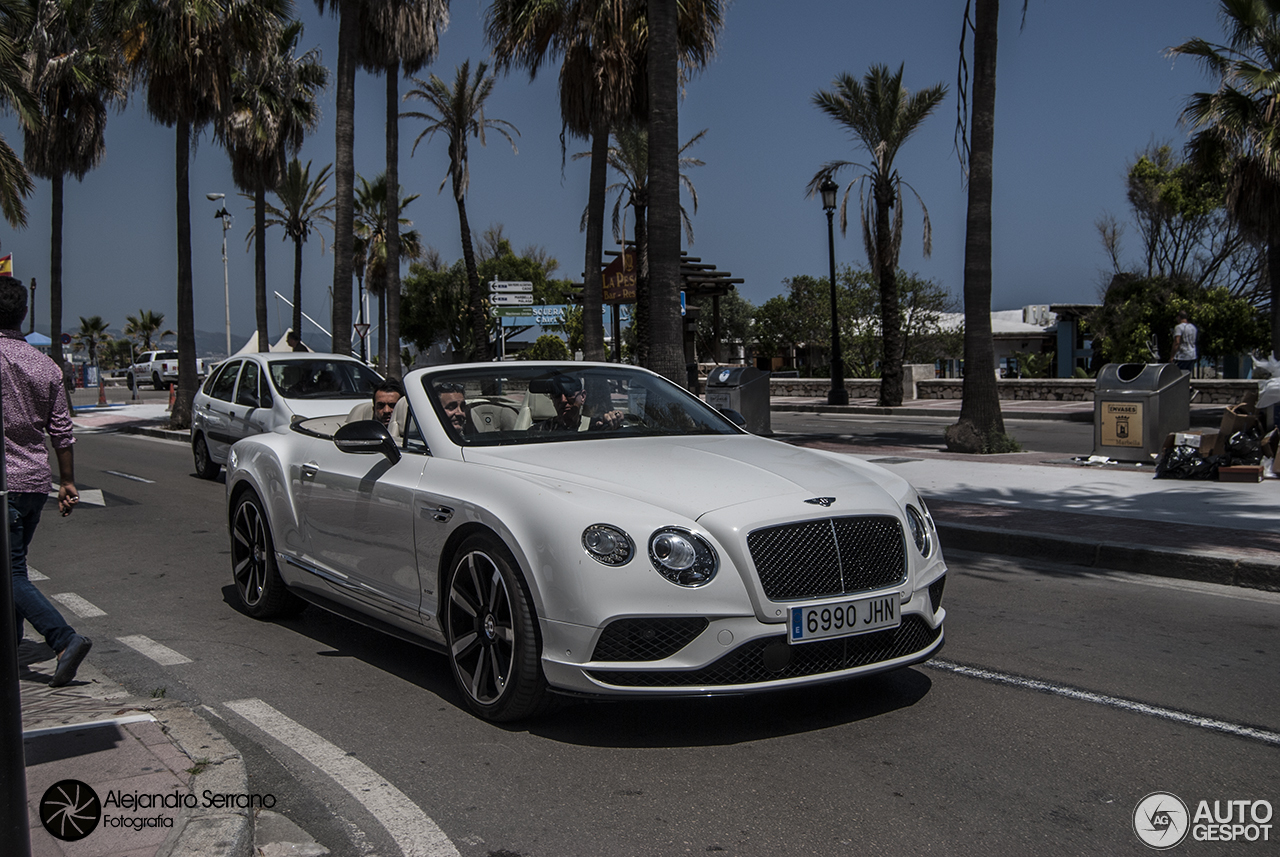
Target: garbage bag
(1186,462)
(1245,447)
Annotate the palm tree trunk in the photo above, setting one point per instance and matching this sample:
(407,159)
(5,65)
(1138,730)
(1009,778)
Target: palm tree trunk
(55,273)
(479,324)
(389,333)
(890,312)
(297,285)
(344,175)
(641,320)
(181,416)
(980,406)
(592,286)
(1273,272)
(667,352)
(260,262)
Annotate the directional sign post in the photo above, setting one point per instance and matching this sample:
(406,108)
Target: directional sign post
(500,286)
(510,299)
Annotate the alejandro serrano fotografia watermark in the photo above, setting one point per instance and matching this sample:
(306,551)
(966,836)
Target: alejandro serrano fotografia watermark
(71,810)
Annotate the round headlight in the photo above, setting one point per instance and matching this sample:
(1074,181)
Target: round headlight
(607,544)
(682,557)
(919,531)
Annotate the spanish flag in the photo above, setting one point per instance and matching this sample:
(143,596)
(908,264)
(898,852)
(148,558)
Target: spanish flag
(6,265)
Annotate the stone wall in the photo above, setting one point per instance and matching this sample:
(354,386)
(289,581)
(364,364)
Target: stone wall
(1203,391)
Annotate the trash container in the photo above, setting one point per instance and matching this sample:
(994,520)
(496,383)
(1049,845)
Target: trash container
(744,389)
(1137,405)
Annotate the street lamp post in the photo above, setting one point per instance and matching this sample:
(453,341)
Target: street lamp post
(838,394)
(226,282)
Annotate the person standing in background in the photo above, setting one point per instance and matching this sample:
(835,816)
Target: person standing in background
(1184,343)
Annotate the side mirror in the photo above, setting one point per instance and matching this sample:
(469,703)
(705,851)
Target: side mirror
(734,417)
(367,436)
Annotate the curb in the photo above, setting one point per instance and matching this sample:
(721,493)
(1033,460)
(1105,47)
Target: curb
(904,411)
(1205,567)
(224,833)
(162,433)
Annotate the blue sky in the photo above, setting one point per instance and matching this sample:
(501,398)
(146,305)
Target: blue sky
(1081,89)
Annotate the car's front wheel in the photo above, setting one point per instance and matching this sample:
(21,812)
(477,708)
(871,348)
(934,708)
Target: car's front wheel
(492,633)
(253,563)
(206,467)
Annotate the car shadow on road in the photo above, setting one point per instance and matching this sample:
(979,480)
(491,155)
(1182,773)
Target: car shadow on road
(636,723)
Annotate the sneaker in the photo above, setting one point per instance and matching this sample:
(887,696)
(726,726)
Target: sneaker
(69,660)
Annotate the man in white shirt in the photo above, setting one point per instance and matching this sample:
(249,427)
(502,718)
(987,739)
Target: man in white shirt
(1184,343)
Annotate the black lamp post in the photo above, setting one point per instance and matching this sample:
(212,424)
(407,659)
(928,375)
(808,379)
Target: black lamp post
(838,395)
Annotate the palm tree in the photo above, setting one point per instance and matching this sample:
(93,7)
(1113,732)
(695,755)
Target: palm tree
(15,183)
(143,326)
(92,333)
(980,417)
(1237,124)
(274,94)
(629,155)
(459,113)
(374,240)
(183,51)
(603,83)
(397,35)
(301,209)
(881,115)
(75,71)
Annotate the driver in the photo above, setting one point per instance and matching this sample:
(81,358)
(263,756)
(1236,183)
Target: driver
(568,396)
(453,401)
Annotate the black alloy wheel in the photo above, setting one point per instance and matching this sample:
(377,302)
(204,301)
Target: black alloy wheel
(492,633)
(206,467)
(253,563)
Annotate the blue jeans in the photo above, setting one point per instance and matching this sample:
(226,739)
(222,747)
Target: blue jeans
(29,603)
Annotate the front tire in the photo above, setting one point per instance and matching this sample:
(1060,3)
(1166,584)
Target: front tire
(492,634)
(206,467)
(253,563)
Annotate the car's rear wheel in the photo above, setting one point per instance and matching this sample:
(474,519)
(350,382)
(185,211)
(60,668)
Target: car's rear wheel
(156,381)
(129,380)
(492,633)
(253,563)
(206,467)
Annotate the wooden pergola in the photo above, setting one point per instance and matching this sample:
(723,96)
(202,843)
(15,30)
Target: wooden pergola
(699,280)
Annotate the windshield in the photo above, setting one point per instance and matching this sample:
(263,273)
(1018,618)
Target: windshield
(310,378)
(506,404)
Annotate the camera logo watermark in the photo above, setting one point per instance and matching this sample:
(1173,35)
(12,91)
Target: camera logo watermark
(1160,820)
(70,810)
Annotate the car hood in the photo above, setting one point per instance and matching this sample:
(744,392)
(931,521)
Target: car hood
(692,475)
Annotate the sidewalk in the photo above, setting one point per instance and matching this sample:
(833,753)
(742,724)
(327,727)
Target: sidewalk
(1032,505)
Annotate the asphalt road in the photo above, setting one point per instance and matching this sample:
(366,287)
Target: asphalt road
(1023,738)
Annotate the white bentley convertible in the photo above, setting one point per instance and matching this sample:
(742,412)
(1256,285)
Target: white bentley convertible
(587,529)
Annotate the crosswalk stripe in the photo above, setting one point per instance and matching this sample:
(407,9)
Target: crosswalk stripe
(158,652)
(415,833)
(78,605)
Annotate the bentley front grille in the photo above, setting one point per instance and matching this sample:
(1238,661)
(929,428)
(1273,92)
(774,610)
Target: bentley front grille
(647,639)
(828,557)
(772,658)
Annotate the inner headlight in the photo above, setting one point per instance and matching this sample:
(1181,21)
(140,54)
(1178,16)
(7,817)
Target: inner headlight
(682,557)
(607,544)
(920,533)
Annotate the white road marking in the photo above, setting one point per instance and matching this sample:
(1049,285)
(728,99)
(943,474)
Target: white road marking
(161,654)
(78,605)
(130,476)
(1110,701)
(32,574)
(88,496)
(415,833)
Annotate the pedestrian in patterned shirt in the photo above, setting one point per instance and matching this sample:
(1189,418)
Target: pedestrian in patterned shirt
(35,405)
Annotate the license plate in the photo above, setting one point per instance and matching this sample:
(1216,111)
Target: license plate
(843,618)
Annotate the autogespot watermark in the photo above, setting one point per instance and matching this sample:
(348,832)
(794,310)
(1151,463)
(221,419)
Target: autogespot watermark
(70,810)
(1162,820)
